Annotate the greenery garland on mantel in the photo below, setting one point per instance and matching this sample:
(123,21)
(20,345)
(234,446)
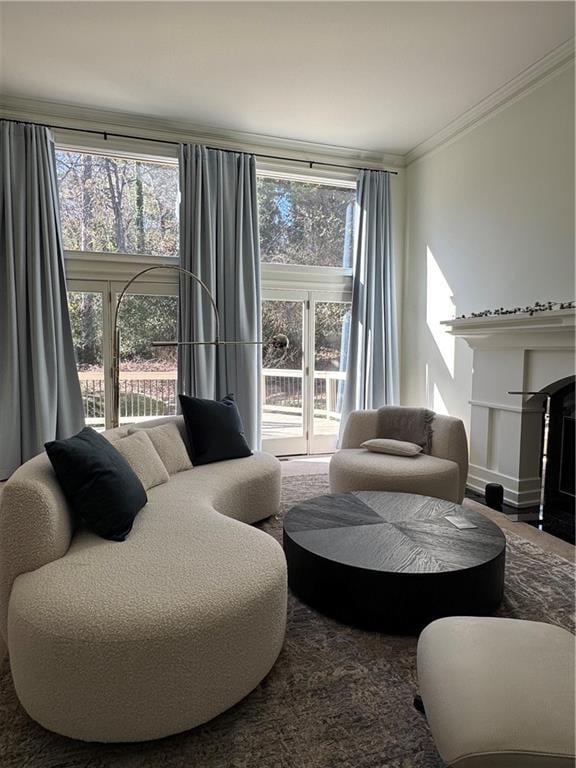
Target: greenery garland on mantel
(548,306)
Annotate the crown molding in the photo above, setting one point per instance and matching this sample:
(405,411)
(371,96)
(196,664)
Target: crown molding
(549,66)
(71,116)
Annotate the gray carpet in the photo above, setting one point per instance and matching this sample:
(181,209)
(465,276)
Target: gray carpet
(337,698)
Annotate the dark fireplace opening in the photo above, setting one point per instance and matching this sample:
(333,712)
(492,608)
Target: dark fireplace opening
(558,462)
(558,497)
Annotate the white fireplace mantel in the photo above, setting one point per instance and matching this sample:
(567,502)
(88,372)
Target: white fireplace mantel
(513,326)
(518,353)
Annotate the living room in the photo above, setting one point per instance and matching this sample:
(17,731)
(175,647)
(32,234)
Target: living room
(287,310)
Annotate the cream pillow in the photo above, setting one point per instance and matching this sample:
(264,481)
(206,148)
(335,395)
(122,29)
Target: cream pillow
(140,453)
(169,444)
(113,435)
(394,447)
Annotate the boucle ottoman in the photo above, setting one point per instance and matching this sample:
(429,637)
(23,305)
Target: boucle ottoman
(499,693)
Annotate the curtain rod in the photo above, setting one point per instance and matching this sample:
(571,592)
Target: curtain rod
(309,163)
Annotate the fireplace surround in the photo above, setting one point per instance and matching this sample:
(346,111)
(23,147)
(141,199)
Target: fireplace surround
(514,353)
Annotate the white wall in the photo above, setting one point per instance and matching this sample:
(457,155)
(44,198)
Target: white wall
(489,223)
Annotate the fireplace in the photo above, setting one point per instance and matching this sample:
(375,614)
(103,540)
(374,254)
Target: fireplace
(515,356)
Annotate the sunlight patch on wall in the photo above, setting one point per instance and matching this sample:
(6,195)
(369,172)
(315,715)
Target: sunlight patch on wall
(439,306)
(438,404)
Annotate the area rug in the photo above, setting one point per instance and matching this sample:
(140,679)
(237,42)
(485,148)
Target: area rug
(337,698)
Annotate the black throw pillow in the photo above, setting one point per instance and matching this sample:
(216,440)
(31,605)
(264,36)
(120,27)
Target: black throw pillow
(214,428)
(101,487)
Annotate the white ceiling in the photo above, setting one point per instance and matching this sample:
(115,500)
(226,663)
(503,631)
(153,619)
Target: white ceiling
(378,75)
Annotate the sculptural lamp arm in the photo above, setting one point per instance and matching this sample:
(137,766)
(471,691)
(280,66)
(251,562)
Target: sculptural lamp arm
(116,331)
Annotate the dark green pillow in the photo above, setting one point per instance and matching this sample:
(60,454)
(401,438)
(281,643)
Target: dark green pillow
(101,487)
(215,429)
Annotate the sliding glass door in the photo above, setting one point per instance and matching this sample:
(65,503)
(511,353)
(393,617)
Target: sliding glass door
(148,373)
(284,374)
(302,387)
(331,321)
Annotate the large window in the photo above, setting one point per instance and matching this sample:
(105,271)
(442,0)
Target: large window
(305,223)
(118,205)
(306,242)
(119,215)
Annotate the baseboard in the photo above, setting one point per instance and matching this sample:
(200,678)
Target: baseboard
(518,493)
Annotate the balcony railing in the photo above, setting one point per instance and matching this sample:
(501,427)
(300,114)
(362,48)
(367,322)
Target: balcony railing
(143,395)
(282,391)
(148,394)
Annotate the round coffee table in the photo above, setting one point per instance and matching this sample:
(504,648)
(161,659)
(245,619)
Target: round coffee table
(393,561)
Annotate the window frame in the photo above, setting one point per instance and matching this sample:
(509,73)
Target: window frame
(298,276)
(310,284)
(309,442)
(110,290)
(116,265)
(89,261)
(108,272)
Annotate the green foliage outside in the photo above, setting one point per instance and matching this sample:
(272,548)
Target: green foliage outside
(286,317)
(85,309)
(144,319)
(306,224)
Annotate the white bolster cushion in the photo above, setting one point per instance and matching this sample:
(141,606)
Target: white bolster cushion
(394,447)
(168,442)
(139,452)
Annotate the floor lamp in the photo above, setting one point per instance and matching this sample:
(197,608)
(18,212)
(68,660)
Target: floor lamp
(279,342)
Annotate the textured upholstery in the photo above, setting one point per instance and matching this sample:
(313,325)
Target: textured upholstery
(499,693)
(354,469)
(168,442)
(137,640)
(139,452)
(392,447)
(36,525)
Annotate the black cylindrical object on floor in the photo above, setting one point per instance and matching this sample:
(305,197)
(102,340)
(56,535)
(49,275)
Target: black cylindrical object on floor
(494,495)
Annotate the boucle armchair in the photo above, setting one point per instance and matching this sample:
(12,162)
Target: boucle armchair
(140,639)
(441,474)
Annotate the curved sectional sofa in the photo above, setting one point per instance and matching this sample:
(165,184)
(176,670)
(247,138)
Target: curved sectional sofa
(136,640)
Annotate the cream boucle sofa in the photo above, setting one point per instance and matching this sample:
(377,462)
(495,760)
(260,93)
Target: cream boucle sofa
(144,638)
(441,474)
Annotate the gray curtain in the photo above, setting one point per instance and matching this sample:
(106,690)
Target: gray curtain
(40,396)
(219,243)
(372,377)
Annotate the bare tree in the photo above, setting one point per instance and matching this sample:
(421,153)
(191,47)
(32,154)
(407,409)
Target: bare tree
(140,239)
(116,186)
(86,240)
